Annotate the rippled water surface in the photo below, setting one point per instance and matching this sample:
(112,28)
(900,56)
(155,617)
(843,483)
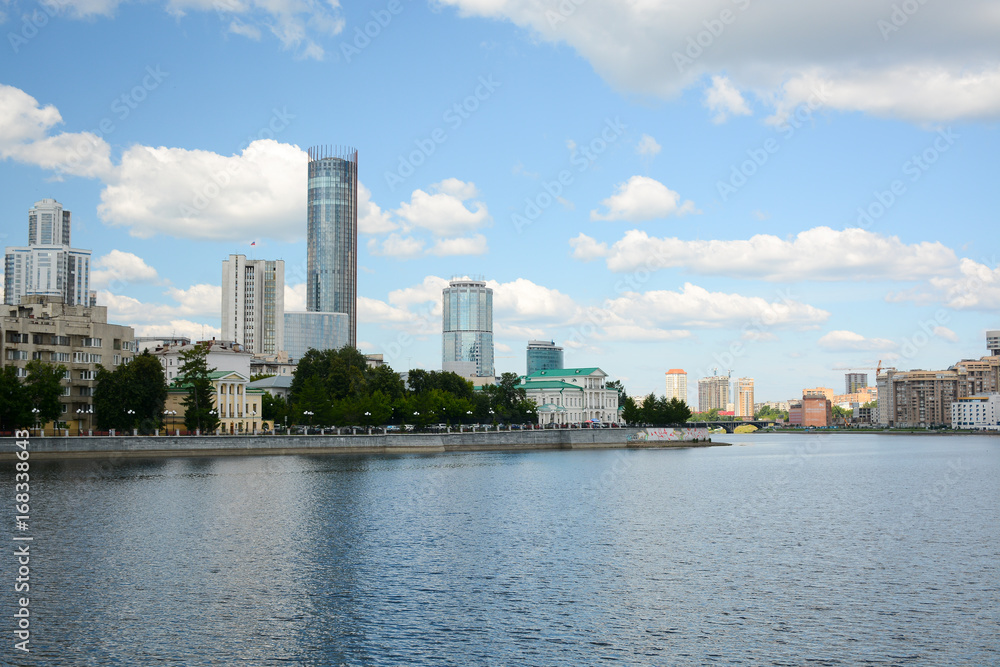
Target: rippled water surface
(779,550)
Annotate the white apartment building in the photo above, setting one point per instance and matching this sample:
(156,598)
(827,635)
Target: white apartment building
(677,384)
(976,413)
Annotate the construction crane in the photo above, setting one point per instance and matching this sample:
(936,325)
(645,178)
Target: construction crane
(877,369)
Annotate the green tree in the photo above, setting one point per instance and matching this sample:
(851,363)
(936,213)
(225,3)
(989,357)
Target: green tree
(677,411)
(195,375)
(146,391)
(620,388)
(15,409)
(43,388)
(387,381)
(632,413)
(274,409)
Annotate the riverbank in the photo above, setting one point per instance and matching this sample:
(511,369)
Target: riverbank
(79,447)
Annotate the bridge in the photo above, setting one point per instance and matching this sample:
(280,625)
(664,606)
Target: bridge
(730,426)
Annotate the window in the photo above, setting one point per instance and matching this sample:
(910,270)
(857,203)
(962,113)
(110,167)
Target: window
(91,342)
(17,355)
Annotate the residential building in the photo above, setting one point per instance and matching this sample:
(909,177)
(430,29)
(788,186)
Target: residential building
(816,410)
(237,405)
(223,356)
(713,393)
(543,355)
(993,342)
(272,364)
(825,392)
(923,398)
(48,265)
(253,303)
(143,343)
(976,413)
(572,395)
(78,337)
(332,236)
(886,409)
(677,384)
(854,382)
(278,386)
(795,414)
(467,328)
(315,330)
(744,397)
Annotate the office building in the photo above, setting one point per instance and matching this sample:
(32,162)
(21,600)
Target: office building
(315,330)
(48,266)
(467,328)
(253,304)
(77,337)
(855,382)
(993,342)
(744,398)
(332,237)
(543,355)
(677,384)
(713,393)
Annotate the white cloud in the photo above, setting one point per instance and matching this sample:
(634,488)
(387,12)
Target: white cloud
(428,291)
(523,299)
(848,341)
(472,245)
(642,198)
(395,245)
(940,65)
(820,253)
(153,319)
(946,333)
(193,330)
(120,267)
(586,249)
(724,100)
(295,298)
(371,218)
(647,146)
(200,299)
(973,286)
(445,213)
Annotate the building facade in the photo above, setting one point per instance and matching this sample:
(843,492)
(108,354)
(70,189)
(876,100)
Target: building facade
(332,234)
(237,405)
(713,393)
(744,398)
(315,330)
(677,384)
(48,265)
(855,382)
(572,396)
(543,355)
(77,337)
(817,410)
(253,303)
(223,356)
(467,328)
(976,413)
(993,342)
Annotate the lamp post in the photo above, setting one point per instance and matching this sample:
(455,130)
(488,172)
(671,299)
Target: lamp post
(213,412)
(253,421)
(309,414)
(468,416)
(79,421)
(131,419)
(368,424)
(34,416)
(169,415)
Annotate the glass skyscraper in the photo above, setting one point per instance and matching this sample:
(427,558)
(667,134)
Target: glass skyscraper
(332,235)
(467,328)
(543,355)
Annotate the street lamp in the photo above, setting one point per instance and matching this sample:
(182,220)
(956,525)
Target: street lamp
(34,416)
(169,414)
(79,419)
(309,414)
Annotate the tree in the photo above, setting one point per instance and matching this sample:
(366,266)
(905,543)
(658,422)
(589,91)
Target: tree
(15,409)
(195,375)
(509,401)
(678,411)
(620,388)
(43,388)
(146,388)
(274,408)
(631,412)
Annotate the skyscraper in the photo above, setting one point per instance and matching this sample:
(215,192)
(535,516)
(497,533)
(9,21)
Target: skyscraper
(253,304)
(744,397)
(677,384)
(543,355)
(854,382)
(332,234)
(48,266)
(467,328)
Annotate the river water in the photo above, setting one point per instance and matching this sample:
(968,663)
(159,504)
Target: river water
(778,550)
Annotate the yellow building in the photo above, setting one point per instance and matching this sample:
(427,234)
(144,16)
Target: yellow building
(238,406)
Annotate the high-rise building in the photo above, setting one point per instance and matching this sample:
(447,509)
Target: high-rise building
(713,393)
(319,331)
(253,303)
(543,355)
(677,384)
(332,234)
(48,266)
(467,328)
(744,397)
(993,342)
(855,382)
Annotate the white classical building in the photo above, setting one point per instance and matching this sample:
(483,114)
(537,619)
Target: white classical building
(572,395)
(976,413)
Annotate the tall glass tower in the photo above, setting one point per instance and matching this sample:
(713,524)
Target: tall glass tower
(332,234)
(467,327)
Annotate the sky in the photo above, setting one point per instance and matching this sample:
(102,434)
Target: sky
(782,190)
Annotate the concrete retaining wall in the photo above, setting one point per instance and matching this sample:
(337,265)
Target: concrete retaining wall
(393,443)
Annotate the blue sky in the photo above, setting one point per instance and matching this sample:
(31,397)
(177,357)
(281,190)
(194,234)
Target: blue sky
(652,185)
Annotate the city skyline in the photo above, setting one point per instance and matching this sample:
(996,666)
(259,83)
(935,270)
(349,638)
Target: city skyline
(647,208)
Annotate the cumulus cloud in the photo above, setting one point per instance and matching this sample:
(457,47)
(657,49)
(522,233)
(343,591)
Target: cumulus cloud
(973,286)
(848,341)
(398,246)
(946,333)
(444,213)
(161,319)
(371,218)
(820,253)
(120,268)
(295,297)
(586,249)
(471,245)
(724,100)
(642,198)
(647,146)
(941,65)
